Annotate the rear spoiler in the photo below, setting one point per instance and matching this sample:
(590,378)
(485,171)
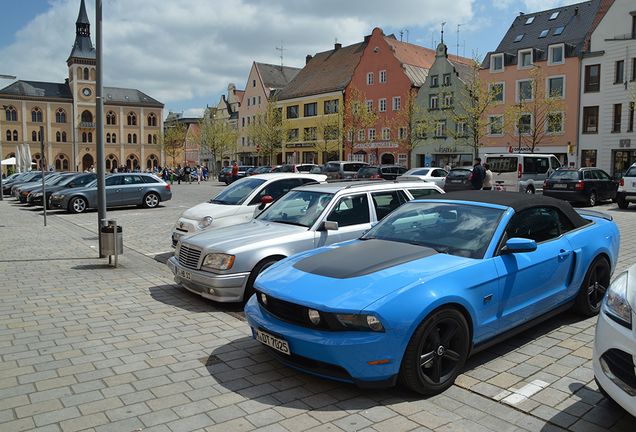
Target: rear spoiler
(593,213)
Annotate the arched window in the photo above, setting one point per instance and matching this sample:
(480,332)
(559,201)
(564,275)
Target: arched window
(110,118)
(15,135)
(132,119)
(63,136)
(134,138)
(90,137)
(36,115)
(60,116)
(36,159)
(131,162)
(149,139)
(84,137)
(58,136)
(34,136)
(8,135)
(108,138)
(12,114)
(61,163)
(129,138)
(111,162)
(152,161)
(114,138)
(152,119)
(87,117)
(85,73)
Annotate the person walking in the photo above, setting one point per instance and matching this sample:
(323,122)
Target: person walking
(488,177)
(478,175)
(235,171)
(186,172)
(179,173)
(199,174)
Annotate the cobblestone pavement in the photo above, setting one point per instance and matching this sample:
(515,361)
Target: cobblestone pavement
(85,346)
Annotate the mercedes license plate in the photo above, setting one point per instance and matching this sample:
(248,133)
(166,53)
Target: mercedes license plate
(184,274)
(271,341)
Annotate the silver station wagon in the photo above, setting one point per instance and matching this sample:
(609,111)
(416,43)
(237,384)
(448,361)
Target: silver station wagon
(222,264)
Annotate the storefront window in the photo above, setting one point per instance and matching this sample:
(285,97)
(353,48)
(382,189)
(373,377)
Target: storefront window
(589,158)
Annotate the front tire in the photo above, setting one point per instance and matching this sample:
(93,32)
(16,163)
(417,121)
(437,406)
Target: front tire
(597,280)
(151,200)
(258,269)
(77,205)
(436,353)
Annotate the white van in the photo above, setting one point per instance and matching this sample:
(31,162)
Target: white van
(521,172)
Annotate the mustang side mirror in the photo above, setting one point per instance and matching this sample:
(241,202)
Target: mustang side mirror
(328,226)
(264,201)
(518,244)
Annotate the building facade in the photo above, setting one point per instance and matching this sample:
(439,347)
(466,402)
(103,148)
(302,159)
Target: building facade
(132,119)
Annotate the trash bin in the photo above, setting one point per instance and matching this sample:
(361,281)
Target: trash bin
(111,243)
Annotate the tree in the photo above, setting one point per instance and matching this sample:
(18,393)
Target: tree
(268,131)
(171,140)
(356,118)
(540,112)
(329,127)
(216,136)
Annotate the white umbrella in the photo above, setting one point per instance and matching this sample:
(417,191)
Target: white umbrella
(18,158)
(27,157)
(9,161)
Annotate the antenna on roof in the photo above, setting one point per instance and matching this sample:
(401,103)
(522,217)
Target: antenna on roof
(443,24)
(401,34)
(458,38)
(407,35)
(281,49)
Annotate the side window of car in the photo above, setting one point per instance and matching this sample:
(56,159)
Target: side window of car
(113,181)
(276,189)
(150,179)
(422,193)
(539,224)
(603,175)
(589,175)
(386,202)
(351,210)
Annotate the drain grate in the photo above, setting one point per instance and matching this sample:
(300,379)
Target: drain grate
(210,361)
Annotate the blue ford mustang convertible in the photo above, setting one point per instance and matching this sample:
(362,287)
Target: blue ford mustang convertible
(435,281)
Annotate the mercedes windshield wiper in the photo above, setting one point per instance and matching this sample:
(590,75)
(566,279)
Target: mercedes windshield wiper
(215,201)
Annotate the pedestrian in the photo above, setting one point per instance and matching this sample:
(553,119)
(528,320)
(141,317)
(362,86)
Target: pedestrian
(171,176)
(205,173)
(187,173)
(478,175)
(488,177)
(447,167)
(179,173)
(199,174)
(235,171)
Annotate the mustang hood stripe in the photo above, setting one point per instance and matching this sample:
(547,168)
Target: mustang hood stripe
(362,258)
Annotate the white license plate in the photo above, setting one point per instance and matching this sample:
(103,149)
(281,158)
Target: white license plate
(560,186)
(184,274)
(456,181)
(265,338)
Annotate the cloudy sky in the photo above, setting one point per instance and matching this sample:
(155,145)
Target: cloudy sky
(186,52)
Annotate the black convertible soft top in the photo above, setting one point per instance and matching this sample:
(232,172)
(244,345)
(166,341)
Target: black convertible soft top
(516,200)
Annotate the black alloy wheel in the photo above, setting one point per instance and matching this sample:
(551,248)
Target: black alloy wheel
(597,280)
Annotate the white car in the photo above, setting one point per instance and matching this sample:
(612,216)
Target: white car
(626,192)
(433,175)
(239,202)
(615,342)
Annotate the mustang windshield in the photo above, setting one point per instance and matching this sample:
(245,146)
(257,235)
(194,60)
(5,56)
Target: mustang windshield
(301,208)
(457,229)
(237,192)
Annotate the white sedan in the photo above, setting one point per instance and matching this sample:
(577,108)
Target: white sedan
(433,175)
(239,202)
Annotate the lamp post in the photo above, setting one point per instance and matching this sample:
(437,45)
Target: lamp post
(4,108)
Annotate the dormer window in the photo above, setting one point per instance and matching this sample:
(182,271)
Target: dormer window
(519,37)
(554,15)
(556,54)
(544,33)
(496,63)
(529,20)
(558,31)
(525,59)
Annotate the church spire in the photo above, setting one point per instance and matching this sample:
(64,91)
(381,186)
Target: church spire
(83,47)
(82,25)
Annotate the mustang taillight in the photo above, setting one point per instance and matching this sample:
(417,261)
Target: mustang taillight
(578,186)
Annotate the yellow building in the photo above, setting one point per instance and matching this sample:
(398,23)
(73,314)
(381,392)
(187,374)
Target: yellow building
(132,119)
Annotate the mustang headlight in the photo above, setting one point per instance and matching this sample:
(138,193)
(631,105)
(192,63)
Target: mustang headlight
(615,304)
(205,222)
(360,322)
(314,316)
(218,261)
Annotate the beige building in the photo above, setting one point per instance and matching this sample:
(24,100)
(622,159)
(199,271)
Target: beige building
(66,111)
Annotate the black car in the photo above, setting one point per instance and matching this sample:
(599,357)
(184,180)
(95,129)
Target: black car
(32,176)
(23,191)
(387,172)
(242,172)
(225,174)
(585,185)
(458,179)
(76,180)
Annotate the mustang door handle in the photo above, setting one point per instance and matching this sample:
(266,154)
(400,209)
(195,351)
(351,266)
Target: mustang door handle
(564,253)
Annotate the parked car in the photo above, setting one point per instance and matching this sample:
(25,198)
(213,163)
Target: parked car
(7,183)
(318,169)
(239,202)
(77,180)
(222,264)
(22,192)
(626,192)
(242,173)
(122,189)
(458,179)
(225,174)
(521,172)
(435,175)
(585,185)
(340,170)
(434,282)
(28,177)
(306,168)
(615,342)
(387,172)
(261,170)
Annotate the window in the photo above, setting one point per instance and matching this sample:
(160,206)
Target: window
(331,106)
(448,101)
(129,138)
(87,117)
(538,224)
(382,77)
(440,129)
(554,123)
(149,139)
(447,79)
(403,133)
(369,106)
(254,101)
(497,92)
(311,109)
(36,136)
(311,134)
(90,137)
(544,33)
(292,112)
(110,118)
(60,116)
(558,31)
(420,130)
(259,99)
(85,73)
(518,38)
(529,20)
(630,127)
(253,83)
(554,15)
(84,137)
(434,82)
(371,134)
(382,105)
(495,125)
(433,103)
(555,55)
(496,63)
(556,87)
(36,115)
(386,134)
(592,78)
(351,210)
(293,135)
(590,119)
(525,59)
(249,101)
(361,135)
(616,125)
(152,119)
(524,124)
(8,135)
(620,69)
(63,136)
(460,129)
(11,113)
(397,103)
(107,138)
(370,78)
(634,64)
(524,91)
(356,107)
(132,119)
(349,135)
(58,136)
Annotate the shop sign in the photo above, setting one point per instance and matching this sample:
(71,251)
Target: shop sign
(450,149)
(625,143)
(523,150)
(299,145)
(376,145)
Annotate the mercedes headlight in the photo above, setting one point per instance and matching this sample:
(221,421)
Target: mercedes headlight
(360,322)
(177,249)
(616,304)
(218,261)
(205,222)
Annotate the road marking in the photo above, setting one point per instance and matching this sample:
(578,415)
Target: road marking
(523,393)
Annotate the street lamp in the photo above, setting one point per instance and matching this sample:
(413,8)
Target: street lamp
(4,108)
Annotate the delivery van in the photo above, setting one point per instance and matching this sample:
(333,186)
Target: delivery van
(521,172)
